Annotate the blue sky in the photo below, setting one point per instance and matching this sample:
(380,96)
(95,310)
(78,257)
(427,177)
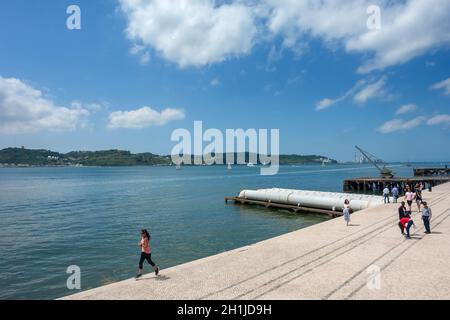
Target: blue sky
(239,64)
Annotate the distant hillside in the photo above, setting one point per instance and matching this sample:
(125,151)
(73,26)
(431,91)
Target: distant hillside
(27,157)
(116,158)
(19,156)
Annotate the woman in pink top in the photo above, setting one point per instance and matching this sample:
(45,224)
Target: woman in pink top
(146,253)
(409,197)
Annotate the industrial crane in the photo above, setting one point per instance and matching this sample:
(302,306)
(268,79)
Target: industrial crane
(385,172)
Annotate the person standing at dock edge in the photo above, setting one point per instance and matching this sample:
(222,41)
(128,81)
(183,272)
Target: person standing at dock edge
(347,211)
(146,253)
(394,194)
(426,217)
(386,194)
(409,197)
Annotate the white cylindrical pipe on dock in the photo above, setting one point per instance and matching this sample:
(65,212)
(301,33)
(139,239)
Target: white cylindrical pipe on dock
(314,199)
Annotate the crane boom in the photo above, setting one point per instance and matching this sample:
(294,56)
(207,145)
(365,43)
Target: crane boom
(368,158)
(384,172)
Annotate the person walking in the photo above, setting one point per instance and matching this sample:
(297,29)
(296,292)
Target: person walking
(146,253)
(405,224)
(409,197)
(386,194)
(418,196)
(426,217)
(394,194)
(347,212)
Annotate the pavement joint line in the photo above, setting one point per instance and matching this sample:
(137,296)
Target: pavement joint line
(385,227)
(290,261)
(435,201)
(399,255)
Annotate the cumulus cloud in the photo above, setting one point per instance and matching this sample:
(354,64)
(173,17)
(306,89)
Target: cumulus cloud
(143,118)
(401,125)
(24,109)
(191,32)
(439,119)
(443,85)
(202,32)
(409,28)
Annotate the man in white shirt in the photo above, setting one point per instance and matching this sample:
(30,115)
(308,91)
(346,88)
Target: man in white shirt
(386,193)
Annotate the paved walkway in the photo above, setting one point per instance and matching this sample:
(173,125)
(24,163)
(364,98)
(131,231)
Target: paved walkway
(325,261)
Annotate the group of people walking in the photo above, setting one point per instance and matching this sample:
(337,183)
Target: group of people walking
(404,211)
(410,195)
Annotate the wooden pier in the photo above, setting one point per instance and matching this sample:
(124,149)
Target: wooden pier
(296,209)
(432,172)
(371,185)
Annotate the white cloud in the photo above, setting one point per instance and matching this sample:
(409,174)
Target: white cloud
(362,91)
(406,109)
(443,85)
(326,103)
(143,118)
(409,28)
(439,119)
(191,32)
(215,82)
(142,52)
(372,90)
(91,107)
(401,125)
(202,32)
(24,109)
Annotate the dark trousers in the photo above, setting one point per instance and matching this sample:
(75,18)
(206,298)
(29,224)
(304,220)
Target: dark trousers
(386,198)
(408,226)
(148,257)
(426,223)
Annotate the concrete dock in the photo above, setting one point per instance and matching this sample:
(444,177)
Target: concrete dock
(325,261)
